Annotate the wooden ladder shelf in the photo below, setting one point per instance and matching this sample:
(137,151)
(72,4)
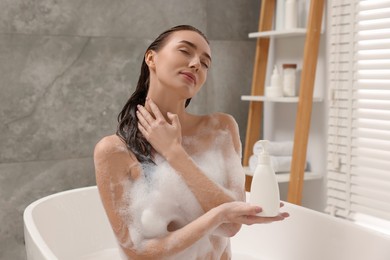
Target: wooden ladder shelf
(302,123)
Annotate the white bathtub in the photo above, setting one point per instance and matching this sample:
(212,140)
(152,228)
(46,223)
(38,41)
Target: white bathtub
(72,225)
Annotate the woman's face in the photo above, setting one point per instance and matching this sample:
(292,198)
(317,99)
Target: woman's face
(182,63)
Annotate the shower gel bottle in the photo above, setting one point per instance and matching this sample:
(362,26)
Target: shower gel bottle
(265,187)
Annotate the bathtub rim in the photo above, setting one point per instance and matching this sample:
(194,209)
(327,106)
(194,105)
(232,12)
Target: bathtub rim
(30,227)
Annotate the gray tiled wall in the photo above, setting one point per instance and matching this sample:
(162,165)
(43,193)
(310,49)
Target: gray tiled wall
(66,69)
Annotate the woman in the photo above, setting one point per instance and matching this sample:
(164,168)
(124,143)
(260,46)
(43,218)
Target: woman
(171,182)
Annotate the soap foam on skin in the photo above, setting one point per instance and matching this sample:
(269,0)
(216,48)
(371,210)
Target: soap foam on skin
(160,196)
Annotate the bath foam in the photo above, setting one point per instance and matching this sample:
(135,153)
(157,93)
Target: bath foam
(160,196)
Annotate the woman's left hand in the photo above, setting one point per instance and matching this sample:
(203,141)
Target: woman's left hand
(164,136)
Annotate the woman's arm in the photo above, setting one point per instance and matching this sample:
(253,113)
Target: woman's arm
(234,212)
(114,165)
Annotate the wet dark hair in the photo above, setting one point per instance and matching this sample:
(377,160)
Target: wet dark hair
(128,123)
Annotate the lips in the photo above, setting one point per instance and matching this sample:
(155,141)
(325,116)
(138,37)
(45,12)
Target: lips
(190,76)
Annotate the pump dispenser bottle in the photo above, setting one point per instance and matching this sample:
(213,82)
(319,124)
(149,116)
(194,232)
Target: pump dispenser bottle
(265,187)
(276,89)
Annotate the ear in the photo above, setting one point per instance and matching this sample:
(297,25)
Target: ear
(149,59)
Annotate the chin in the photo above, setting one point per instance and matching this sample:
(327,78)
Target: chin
(189,93)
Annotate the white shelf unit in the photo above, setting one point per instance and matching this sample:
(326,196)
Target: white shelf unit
(285,177)
(276,99)
(298,32)
(255,123)
(279,34)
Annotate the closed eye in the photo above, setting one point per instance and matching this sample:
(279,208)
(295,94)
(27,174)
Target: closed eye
(187,53)
(184,51)
(205,65)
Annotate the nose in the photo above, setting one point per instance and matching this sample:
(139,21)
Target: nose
(195,63)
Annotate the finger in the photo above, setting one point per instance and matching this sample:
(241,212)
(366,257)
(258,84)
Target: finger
(143,131)
(255,210)
(243,209)
(148,117)
(279,217)
(174,119)
(259,219)
(249,220)
(285,214)
(156,111)
(142,120)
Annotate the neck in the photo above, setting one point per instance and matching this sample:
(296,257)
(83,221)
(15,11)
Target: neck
(167,102)
(166,105)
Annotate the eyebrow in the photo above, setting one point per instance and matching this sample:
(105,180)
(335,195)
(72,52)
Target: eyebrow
(195,47)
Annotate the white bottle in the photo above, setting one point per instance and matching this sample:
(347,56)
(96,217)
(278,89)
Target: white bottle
(291,14)
(289,80)
(276,88)
(279,21)
(276,81)
(265,187)
(302,13)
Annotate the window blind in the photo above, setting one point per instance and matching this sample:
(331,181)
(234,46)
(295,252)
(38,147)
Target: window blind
(358,179)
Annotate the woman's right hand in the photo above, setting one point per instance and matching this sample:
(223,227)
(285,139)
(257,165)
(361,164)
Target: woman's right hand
(163,135)
(239,212)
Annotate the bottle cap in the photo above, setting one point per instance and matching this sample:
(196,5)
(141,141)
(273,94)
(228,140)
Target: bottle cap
(289,66)
(264,155)
(275,72)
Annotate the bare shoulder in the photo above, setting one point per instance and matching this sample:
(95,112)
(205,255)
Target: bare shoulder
(110,144)
(223,121)
(226,123)
(111,157)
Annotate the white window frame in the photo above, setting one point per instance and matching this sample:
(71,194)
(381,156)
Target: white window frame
(358,169)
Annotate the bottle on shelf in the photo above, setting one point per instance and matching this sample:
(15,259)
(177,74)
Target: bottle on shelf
(302,13)
(275,90)
(289,80)
(291,15)
(265,187)
(279,15)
